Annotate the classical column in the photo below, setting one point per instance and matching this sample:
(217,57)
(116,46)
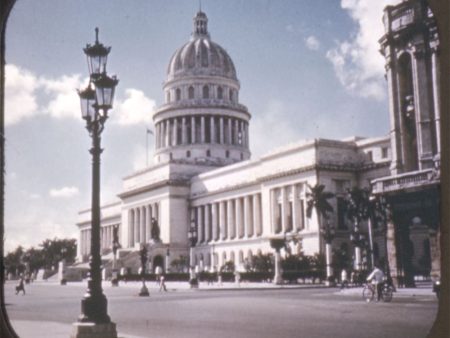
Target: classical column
(207,222)
(193,129)
(137,220)
(175,132)
(202,129)
(212,125)
(248,216)
(295,208)
(200,224)
(257,219)
(221,131)
(143,219)
(230,221)
(239,217)
(230,130)
(223,221)
(214,222)
(273,211)
(157,135)
(284,212)
(423,105)
(236,132)
(130,228)
(183,131)
(436,95)
(168,129)
(148,223)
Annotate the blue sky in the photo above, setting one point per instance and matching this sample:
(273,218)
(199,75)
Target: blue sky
(307,69)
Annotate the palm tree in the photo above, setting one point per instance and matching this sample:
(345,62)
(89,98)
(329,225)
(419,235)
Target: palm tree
(317,199)
(358,208)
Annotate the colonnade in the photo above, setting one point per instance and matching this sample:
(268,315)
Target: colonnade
(201,129)
(85,242)
(287,208)
(237,218)
(140,222)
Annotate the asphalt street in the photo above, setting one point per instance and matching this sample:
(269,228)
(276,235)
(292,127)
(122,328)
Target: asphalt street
(220,313)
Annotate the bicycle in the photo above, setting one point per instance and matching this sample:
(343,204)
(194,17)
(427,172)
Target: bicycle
(370,291)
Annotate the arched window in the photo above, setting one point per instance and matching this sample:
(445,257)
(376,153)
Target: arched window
(188,153)
(191,92)
(170,156)
(208,153)
(178,94)
(231,95)
(205,92)
(168,96)
(241,257)
(227,153)
(220,93)
(232,256)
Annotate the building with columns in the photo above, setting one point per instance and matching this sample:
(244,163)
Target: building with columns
(410,46)
(203,174)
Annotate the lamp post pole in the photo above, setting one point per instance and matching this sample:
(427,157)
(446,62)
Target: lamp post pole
(192,236)
(94,109)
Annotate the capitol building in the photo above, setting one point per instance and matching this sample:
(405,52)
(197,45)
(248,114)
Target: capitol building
(203,175)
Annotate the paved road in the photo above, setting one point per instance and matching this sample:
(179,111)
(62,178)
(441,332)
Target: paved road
(243,313)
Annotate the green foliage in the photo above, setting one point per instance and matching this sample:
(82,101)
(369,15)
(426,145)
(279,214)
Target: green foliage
(55,250)
(227,267)
(260,263)
(317,199)
(180,264)
(52,251)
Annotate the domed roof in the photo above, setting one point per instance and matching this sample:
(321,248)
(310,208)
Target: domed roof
(201,56)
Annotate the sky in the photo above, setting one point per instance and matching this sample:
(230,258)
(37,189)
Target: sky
(307,69)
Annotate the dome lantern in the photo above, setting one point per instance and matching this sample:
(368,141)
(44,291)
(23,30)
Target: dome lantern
(200,25)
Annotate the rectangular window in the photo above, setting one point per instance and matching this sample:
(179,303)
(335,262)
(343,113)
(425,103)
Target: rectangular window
(384,152)
(370,155)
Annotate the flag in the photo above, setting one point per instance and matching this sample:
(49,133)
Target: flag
(149,131)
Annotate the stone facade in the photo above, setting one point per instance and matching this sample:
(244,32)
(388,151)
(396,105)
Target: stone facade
(411,48)
(203,175)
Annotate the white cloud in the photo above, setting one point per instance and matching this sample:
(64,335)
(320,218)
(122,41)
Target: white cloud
(64,192)
(64,100)
(135,109)
(312,42)
(357,61)
(20,87)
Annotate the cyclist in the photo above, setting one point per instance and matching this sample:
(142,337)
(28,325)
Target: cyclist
(377,278)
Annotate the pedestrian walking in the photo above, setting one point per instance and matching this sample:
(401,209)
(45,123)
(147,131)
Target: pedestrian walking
(20,286)
(162,284)
(344,280)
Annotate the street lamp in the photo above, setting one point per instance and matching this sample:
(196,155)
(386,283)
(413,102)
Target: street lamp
(95,103)
(192,236)
(144,258)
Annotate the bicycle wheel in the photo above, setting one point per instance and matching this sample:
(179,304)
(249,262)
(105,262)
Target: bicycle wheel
(386,294)
(368,293)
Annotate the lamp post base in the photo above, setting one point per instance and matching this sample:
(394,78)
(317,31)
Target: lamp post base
(93,330)
(144,291)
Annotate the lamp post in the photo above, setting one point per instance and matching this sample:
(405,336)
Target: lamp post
(192,236)
(115,247)
(144,257)
(95,103)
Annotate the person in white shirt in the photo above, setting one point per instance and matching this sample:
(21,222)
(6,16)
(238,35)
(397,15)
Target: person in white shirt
(377,278)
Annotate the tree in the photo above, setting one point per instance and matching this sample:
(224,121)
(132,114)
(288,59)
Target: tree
(180,264)
(13,261)
(260,263)
(56,250)
(317,199)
